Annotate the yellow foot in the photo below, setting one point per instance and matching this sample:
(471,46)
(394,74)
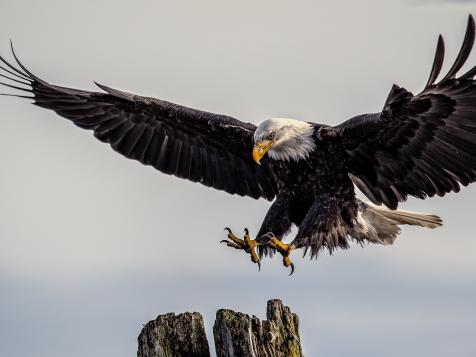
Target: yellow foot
(247,244)
(284,249)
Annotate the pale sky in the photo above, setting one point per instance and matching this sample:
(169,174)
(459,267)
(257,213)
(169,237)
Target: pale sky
(93,245)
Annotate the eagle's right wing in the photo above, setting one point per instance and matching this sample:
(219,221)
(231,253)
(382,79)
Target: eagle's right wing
(418,145)
(212,149)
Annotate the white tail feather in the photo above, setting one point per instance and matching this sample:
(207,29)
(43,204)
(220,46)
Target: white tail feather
(381,225)
(412,218)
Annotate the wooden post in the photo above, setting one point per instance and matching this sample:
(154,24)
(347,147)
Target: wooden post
(236,335)
(173,335)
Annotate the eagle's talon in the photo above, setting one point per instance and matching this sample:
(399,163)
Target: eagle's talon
(282,248)
(268,237)
(247,244)
(292,269)
(287,262)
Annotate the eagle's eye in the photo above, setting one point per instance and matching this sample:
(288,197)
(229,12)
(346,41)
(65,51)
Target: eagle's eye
(271,135)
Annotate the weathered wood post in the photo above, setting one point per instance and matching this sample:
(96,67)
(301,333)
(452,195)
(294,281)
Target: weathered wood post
(173,335)
(236,335)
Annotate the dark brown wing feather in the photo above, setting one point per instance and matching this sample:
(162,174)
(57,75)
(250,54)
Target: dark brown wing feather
(212,149)
(421,145)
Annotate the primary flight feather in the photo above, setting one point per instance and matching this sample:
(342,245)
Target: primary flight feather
(419,145)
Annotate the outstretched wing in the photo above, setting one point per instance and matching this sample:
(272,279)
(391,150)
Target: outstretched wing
(212,149)
(418,145)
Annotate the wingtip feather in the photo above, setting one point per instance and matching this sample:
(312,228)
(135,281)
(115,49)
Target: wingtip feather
(26,73)
(437,62)
(465,50)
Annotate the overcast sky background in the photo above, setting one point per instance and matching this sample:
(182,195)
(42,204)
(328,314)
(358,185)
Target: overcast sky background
(93,245)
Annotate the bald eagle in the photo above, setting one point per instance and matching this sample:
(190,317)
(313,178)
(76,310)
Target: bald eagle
(419,145)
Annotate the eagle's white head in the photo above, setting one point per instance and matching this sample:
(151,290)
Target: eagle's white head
(283,139)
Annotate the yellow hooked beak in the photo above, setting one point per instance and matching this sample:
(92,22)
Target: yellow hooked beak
(260,149)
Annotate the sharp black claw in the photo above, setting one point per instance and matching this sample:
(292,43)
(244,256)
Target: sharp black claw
(228,229)
(292,269)
(268,236)
(259,265)
(224,241)
(247,232)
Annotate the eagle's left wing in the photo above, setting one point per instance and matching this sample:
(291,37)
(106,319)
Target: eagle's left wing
(418,145)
